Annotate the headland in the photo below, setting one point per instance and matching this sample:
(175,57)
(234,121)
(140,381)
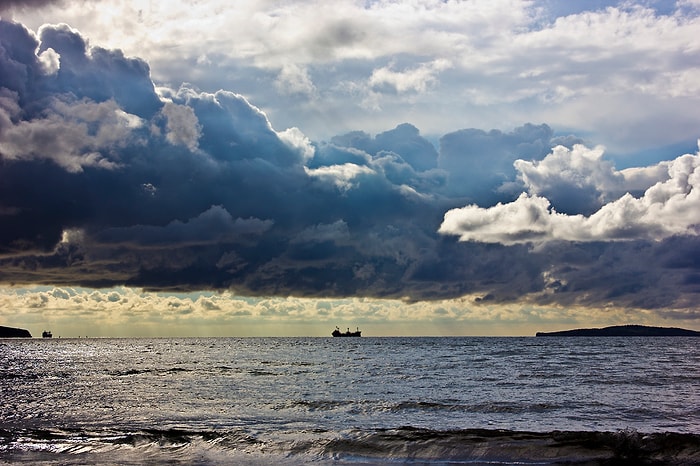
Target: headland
(623,331)
(10,332)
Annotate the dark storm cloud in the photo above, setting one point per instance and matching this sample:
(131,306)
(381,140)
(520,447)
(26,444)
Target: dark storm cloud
(405,140)
(480,163)
(104,182)
(100,75)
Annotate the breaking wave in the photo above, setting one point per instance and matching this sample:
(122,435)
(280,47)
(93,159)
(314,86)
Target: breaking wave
(357,446)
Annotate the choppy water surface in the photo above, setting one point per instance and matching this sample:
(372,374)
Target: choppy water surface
(357,400)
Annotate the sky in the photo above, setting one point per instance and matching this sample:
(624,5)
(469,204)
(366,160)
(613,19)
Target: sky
(277,168)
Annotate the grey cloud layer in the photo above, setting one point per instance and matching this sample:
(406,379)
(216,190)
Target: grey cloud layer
(9,5)
(106,180)
(625,71)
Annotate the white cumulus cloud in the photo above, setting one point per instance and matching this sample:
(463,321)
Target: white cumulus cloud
(65,135)
(670,207)
(417,79)
(182,125)
(341,176)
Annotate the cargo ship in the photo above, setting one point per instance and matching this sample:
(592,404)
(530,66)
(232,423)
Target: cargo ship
(338,333)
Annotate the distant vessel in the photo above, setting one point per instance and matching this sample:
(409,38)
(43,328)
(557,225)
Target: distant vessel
(338,333)
(46,334)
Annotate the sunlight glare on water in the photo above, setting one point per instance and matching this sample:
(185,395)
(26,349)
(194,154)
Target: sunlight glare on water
(300,391)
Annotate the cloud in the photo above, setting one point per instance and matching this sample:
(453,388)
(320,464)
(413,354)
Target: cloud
(444,66)
(182,126)
(404,140)
(73,135)
(298,141)
(215,225)
(480,163)
(108,180)
(123,311)
(293,79)
(97,73)
(9,5)
(576,179)
(666,209)
(336,231)
(343,177)
(418,79)
(50,61)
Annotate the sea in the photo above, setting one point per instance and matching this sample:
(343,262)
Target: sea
(350,401)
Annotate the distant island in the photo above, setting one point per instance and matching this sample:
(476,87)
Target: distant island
(9,332)
(623,331)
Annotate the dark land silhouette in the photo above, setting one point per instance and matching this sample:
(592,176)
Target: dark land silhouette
(623,331)
(10,332)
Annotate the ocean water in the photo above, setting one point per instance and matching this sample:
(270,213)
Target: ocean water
(350,401)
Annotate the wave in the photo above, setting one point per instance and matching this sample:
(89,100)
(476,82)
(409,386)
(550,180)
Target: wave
(357,446)
(512,447)
(154,371)
(416,406)
(481,408)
